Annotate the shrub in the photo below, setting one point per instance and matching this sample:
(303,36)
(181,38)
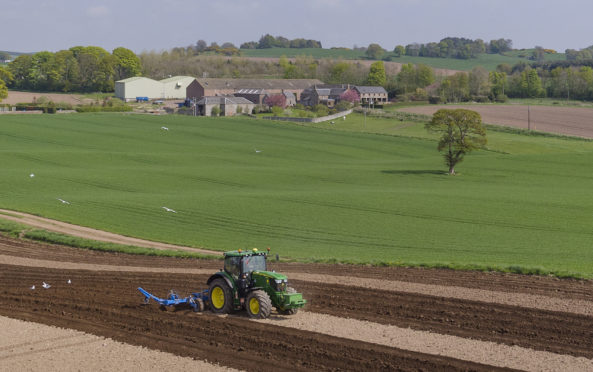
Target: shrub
(501,98)
(320,110)
(420,95)
(350,95)
(93,108)
(276,100)
(51,108)
(434,100)
(276,110)
(215,111)
(239,109)
(343,105)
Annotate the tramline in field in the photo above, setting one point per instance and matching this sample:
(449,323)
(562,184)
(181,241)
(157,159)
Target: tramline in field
(243,283)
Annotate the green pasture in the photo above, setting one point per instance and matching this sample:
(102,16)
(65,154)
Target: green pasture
(488,61)
(352,191)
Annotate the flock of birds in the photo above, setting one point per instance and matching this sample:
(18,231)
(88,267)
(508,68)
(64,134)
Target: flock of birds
(48,286)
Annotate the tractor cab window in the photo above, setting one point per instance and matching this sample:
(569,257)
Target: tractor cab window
(254,263)
(232,266)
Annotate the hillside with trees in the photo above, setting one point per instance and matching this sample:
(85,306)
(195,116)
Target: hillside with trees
(78,69)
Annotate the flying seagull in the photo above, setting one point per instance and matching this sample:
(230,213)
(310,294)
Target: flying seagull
(45,285)
(32,287)
(257,151)
(69,281)
(169,209)
(164,128)
(64,201)
(31,175)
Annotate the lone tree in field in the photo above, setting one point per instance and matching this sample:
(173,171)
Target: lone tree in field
(462,132)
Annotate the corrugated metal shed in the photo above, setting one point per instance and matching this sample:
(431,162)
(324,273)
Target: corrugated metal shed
(138,86)
(174,87)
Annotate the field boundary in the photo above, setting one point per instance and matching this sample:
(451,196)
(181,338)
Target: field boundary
(93,234)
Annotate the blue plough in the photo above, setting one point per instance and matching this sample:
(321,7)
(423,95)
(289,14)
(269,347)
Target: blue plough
(196,301)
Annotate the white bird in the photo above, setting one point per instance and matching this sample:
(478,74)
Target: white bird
(32,287)
(45,285)
(69,281)
(257,151)
(31,175)
(164,128)
(64,201)
(169,209)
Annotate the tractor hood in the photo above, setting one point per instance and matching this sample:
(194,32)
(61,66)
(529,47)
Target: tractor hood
(270,274)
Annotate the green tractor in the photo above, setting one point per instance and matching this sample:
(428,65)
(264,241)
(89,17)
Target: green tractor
(245,283)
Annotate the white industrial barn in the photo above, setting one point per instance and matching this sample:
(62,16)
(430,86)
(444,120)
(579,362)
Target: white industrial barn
(175,87)
(171,88)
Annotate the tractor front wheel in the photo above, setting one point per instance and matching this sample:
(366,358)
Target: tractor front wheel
(221,297)
(258,305)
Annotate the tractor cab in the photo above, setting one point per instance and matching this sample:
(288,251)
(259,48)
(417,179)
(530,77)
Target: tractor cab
(240,264)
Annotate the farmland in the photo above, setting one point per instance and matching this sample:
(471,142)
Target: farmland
(358,190)
(311,193)
(488,61)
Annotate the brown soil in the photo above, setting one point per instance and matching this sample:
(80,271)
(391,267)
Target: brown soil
(571,121)
(27,346)
(106,303)
(15,97)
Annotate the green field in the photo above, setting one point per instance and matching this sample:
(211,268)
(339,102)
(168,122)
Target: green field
(320,192)
(488,61)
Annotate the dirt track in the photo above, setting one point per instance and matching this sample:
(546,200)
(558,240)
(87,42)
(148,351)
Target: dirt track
(571,121)
(343,327)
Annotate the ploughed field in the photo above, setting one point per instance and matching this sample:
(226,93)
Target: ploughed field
(357,318)
(570,121)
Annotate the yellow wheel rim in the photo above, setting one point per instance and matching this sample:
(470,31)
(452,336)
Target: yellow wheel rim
(254,306)
(217,297)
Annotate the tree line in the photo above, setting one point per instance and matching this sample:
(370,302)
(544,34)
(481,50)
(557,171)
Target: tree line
(78,69)
(455,47)
(269,41)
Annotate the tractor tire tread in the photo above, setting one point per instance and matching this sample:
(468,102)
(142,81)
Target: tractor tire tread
(265,304)
(228,296)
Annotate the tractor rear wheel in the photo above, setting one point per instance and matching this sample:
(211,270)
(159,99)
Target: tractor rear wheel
(289,290)
(258,305)
(221,297)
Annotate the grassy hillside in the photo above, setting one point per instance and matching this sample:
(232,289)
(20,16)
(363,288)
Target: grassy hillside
(311,193)
(488,61)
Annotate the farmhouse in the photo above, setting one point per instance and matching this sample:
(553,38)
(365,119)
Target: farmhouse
(170,88)
(323,94)
(219,87)
(371,95)
(228,106)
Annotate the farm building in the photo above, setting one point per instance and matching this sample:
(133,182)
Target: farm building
(228,106)
(371,95)
(170,88)
(130,88)
(175,87)
(218,87)
(256,96)
(323,94)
